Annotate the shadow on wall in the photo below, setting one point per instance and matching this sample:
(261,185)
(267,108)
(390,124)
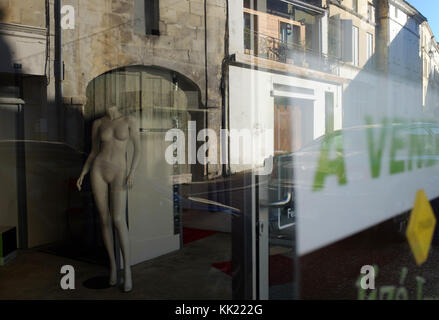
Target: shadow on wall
(6,64)
(41,183)
(432,95)
(387,87)
(8,135)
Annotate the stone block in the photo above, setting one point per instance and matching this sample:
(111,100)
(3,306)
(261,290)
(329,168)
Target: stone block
(121,6)
(198,45)
(195,20)
(174,29)
(169,16)
(164,42)
(197,7)
(217,3)
(197,57)
(178,5)
(215,12)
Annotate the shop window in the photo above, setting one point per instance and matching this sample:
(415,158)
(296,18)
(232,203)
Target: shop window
(289,33)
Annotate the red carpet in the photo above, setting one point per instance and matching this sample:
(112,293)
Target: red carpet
(281,269)
(191,235)
(225,267)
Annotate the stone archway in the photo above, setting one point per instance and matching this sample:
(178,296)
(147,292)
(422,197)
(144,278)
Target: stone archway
(160,98)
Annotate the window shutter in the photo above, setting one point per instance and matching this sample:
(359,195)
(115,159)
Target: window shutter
(139,16)
(346,27)
(334,30)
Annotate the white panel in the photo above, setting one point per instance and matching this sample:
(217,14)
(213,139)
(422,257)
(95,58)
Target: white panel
(150,203)
(236,27)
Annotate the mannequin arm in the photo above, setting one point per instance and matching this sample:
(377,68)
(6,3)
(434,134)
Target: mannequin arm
(94,152)
(135,137)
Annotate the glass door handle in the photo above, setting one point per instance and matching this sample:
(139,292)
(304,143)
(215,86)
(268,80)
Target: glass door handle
(280,203)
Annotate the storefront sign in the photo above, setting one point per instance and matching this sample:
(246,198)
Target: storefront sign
(358,177)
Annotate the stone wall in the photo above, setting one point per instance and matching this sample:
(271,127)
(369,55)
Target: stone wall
(27,12)
(104,39)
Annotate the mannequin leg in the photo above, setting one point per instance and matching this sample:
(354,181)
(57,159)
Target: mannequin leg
(118,208)
(100,193)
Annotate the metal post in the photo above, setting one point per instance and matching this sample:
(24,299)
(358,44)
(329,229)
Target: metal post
(58,69)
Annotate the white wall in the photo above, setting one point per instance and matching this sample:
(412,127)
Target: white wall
(236,27)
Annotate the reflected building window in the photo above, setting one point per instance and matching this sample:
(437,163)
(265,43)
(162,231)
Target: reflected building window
(147,17)
(371,13)
(355,45)
(355,5)
(369,45)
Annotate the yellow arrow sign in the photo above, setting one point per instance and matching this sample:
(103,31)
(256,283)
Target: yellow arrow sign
(421,227)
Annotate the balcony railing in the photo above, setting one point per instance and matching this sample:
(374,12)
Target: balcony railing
(268,47)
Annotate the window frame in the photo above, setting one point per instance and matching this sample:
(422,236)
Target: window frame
(355,6)
(355,46)
(369,45)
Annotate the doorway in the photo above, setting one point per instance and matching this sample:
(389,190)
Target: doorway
(293,124)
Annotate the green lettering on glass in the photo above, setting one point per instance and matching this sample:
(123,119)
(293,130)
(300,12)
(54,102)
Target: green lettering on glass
(417,149)
(328,167)
(433,151)
(376,153)
(396,166)
(430,152)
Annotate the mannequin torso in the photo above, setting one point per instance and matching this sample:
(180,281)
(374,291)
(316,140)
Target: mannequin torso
(114,136)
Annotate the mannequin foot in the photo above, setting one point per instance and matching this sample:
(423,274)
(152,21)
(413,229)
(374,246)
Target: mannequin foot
(113,277)
(128,282)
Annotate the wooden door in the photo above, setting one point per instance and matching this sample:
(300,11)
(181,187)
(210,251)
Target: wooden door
(287,128)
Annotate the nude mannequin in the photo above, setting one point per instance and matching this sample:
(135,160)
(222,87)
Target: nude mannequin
(107,160)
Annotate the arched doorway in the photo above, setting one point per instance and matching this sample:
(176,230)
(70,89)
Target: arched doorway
(161,100)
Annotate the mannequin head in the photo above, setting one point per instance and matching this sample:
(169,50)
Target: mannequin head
(113,112)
